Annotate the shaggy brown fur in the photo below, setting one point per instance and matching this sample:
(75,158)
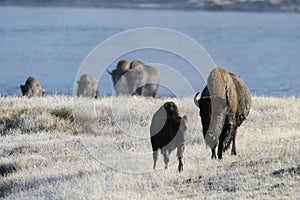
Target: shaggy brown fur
(167,133)
(121,69)
(32,88)
(88,86)
(224,105)
(123,65)
(135,63)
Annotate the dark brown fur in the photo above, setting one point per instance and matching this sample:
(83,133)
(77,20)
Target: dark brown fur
(135,64)
(121,69)
(167,133)
(123,65)
(32,88)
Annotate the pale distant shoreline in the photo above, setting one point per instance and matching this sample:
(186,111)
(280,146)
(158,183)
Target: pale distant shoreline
(206,5)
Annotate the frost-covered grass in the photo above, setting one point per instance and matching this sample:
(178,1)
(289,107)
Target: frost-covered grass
(76,148)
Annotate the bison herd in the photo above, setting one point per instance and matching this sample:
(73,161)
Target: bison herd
(224,104)
(135,78)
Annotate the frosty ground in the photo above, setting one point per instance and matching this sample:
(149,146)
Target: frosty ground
(63,147)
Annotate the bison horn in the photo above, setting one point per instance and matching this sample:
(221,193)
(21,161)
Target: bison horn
(109,72)
(195,100)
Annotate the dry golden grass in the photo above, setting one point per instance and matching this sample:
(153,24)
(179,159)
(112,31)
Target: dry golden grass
(76,148)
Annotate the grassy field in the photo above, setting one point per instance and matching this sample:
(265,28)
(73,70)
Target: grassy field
(75,148)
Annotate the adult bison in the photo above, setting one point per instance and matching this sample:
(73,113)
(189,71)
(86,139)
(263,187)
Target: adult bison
(135,79)
(167,133)
(32,88)
(224,104)
(87,86)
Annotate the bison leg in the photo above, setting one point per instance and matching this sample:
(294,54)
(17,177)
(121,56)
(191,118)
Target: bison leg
(180,150)
(221,142)
(213,153)
(180,164)
(220,148)
(166,158)
(233,150)
(155,156)
(138,91)
(97,94)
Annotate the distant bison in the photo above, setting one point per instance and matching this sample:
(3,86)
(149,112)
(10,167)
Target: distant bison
(135,78)
(32,88)
(224,104)
(167,133)
(88,86)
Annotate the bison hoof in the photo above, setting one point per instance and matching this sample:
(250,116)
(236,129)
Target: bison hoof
(180,168)
(220,156)
(233,153)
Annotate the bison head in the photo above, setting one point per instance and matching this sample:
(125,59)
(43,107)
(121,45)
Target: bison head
(32,88)
(171,110)
(122,68)
(26,90)
(119,82)
(213,114)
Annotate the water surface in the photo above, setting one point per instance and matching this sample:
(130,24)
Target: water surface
(51,44)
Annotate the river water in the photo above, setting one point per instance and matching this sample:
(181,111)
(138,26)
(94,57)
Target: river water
(51,43)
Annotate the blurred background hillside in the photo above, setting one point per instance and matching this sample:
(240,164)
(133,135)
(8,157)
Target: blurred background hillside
(237,5)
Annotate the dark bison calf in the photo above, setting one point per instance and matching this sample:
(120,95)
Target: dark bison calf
(167,133)
(224,105)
